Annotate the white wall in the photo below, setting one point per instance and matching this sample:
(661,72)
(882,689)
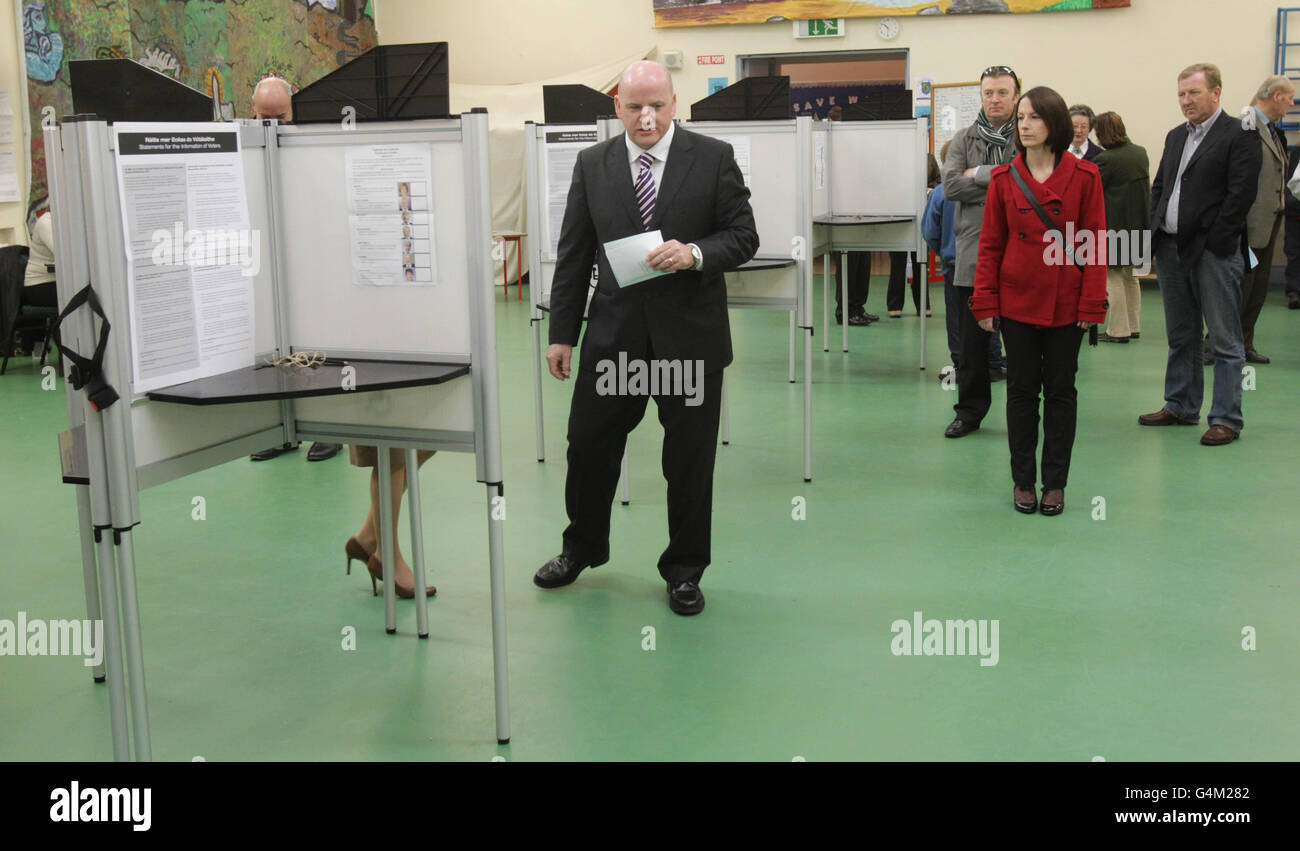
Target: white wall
(1121,59)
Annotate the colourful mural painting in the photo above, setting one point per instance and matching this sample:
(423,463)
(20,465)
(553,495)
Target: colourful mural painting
(219,47)
(699,13)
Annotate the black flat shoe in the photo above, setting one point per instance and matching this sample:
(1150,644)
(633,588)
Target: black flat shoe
(1103,337)
(323,451)
(273,452)
(560,571)
(1051,510)
(1029,506)
(960,428)
(685,598)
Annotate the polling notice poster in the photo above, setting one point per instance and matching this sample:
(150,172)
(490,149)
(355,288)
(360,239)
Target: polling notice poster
(390,217)
(191,255)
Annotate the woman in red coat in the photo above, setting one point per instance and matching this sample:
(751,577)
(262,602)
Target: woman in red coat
(1047,286)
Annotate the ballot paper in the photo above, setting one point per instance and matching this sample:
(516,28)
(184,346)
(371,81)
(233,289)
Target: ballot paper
(627,257)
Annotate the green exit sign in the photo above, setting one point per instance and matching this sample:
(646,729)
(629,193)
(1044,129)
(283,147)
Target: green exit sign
(821,28)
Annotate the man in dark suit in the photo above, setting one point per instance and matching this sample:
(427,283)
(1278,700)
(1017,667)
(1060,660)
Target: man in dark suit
(1082,117)
(656,176)
(1203,190)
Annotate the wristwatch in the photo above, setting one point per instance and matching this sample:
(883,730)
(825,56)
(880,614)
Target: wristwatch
(699,257)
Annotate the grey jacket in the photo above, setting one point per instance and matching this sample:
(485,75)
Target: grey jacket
(1270,196)
(968,150)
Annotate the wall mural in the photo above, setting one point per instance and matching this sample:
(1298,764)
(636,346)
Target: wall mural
(698,13)
(219,47)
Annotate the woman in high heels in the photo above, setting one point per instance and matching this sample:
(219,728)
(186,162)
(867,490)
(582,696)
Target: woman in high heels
(364,545)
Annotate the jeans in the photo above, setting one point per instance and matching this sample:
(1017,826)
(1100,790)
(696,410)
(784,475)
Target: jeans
(1043,359)
(1210,288)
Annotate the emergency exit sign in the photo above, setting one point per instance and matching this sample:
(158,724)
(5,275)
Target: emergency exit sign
(821,28)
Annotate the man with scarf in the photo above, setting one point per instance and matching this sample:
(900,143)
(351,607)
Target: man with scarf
(972,154)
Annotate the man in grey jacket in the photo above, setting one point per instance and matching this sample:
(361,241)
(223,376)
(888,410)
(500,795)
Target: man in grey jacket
(972,155)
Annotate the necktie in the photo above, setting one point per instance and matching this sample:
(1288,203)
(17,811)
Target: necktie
(645,189)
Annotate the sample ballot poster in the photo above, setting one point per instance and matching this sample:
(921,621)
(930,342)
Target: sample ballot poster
(191,256)
(389,215)
(562,148)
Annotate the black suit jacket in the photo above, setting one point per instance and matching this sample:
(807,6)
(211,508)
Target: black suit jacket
(1090,153)
(683,316)
(1218,189)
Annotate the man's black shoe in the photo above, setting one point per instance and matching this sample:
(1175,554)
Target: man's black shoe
(1253,356)
(871,317)
(960,428)
(1293,301)
(685,598)
(859,319)
(323,451)
(273,452)
(560,571)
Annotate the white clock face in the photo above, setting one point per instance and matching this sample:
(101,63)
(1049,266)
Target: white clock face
(888,29)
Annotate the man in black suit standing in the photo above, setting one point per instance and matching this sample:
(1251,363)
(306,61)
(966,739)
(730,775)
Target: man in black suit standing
(656,176)
(1203,190)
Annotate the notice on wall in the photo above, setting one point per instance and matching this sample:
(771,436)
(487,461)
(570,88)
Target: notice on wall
(191,255)
(562,148)
(390,215)
(740,147)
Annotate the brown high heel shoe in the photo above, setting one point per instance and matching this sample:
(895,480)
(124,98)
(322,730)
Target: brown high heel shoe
(354,550)
(406,592)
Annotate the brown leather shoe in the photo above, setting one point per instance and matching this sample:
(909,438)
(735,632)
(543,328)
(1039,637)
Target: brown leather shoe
(1218,435)
(1163,417)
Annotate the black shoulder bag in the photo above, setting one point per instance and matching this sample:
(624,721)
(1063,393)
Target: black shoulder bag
(1051,226)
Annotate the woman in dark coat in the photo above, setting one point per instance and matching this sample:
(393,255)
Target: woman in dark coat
(1047,285)
(1126,181)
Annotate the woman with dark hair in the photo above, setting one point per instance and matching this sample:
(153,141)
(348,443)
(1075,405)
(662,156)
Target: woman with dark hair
(1126,181)
(1041,268)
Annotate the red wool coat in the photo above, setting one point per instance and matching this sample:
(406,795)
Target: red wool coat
(1013,277)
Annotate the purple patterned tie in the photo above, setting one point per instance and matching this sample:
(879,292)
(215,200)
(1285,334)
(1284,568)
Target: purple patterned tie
(645,189)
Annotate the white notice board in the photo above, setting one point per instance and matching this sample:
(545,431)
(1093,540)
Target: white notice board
(953,106)
(561,146)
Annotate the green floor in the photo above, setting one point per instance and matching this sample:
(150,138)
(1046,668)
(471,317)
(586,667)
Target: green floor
(1119,638)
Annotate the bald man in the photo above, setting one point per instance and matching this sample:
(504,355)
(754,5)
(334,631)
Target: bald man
(653,177)
(273,99)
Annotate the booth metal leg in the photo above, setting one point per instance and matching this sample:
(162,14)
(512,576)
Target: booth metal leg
(844,297)
(497,576)
(807,406)
(826,302)
(134,649)
(386,539)
(537,387)
(924,284)
(624,488)
(726,419)
(417,543)
(792,336)
(89,575)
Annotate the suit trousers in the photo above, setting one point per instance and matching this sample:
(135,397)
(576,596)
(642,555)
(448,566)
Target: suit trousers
(894,297)
(1043,359)
(1254,284)
(859,271)
(974,389)
(598,430)
(1209,289)
(1292,249)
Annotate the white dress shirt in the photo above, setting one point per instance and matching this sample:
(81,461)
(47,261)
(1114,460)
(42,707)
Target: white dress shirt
(1080,150)
(1195,136)
(659,152)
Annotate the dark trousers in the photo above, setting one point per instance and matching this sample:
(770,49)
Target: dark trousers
(898,281)
(1043,359)
(598,430)
(1292,249)
(954,302)
(41,295)
(859,272)
(1254,285)
(974,390)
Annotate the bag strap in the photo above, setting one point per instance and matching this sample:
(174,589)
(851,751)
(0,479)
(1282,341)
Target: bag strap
(1042,214)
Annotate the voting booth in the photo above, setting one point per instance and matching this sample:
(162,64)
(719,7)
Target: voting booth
(874,198)
(373,246)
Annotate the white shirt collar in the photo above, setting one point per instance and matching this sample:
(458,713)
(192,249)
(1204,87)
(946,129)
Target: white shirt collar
(659,150)
(1204,127)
